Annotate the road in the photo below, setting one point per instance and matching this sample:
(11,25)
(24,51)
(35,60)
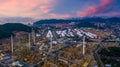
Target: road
(97,57)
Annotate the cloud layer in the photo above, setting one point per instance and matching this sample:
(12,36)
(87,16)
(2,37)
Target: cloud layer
(43,9)
(26,8)
(92,10)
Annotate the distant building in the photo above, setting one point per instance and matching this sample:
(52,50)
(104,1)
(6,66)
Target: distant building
(108,65)
(60,25)
(17,34)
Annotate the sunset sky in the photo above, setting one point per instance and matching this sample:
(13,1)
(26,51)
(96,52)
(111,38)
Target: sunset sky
(42,9)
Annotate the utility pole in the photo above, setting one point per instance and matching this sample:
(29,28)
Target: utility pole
(33,36)
(29,40)
(51,43)
(50,36)
(12,44)
(83,45)
(12,47)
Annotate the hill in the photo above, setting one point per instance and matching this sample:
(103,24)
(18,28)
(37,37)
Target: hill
(7,29)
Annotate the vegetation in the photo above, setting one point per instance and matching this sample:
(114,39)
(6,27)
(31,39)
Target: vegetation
(112,20)
(28,56)
(7,29)
(16,27)
(91,22)
(73,54)
(111,56)
(112,51)
(85,24)
(4,32)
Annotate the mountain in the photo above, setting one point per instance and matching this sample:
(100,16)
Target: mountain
(52,21)
(88,19)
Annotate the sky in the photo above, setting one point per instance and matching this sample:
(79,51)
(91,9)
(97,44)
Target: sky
(45,9)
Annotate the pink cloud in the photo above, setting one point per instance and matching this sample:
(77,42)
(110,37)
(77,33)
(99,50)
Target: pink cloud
(44,9)
(91,10)
(60,15)
(115,13)
(104,3)
(25,8)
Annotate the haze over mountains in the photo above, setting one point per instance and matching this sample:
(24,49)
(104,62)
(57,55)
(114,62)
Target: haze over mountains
(24,20)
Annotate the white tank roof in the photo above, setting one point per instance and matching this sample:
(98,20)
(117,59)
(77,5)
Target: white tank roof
(49,34)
